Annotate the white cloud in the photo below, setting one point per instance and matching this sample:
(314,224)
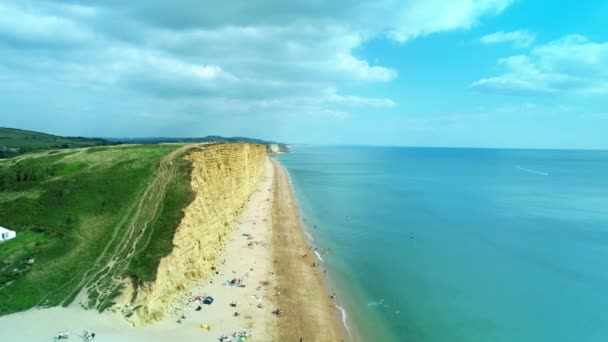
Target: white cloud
(570,65)
(519,38)
(419,18)
(362,101)
(28,26)
(242,58)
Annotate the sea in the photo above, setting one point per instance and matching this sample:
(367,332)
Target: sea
(455,244)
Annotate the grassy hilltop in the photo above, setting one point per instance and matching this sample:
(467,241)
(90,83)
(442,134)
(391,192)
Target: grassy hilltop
(17,141)
(79,215)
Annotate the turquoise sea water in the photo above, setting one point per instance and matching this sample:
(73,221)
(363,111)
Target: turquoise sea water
(460,244)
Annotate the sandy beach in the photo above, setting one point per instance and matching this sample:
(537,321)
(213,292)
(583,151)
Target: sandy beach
(267,253)
(309,313)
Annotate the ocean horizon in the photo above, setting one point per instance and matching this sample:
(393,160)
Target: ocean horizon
(304,145)
(459,244)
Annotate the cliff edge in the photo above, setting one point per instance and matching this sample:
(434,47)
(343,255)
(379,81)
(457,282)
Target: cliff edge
(223,177)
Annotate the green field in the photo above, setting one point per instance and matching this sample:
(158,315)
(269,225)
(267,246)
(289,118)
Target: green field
(16,141)
(87,218)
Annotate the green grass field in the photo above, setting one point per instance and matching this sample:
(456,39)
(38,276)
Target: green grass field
(28,141)
(87,218)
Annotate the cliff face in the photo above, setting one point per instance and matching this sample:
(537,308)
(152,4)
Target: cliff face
(223,178)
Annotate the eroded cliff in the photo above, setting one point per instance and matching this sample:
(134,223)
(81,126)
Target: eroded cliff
(223,177)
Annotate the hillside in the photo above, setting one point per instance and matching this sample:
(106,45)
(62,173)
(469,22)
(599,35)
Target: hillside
(87,218)
(16,141)
(207,139)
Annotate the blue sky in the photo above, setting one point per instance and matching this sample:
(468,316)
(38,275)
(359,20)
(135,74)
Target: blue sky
(480,73)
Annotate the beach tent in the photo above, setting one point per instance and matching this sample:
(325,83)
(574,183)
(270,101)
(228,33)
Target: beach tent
(205,326)
(208,300)
(6,234)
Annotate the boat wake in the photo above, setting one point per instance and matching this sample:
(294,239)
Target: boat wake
(531,171)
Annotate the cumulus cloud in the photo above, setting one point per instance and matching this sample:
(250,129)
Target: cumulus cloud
(198,56)
(420,18)
(569,65)
(33,27)
(519,38)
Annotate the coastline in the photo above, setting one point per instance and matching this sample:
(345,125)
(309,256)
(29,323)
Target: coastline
(309,313)
(268,230)
(236,259)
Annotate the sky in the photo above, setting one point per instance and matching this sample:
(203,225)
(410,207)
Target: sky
(461,73)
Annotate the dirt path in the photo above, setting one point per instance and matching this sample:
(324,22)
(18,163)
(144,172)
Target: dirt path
(308,313)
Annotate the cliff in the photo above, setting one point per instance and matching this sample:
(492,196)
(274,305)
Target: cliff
(223,177)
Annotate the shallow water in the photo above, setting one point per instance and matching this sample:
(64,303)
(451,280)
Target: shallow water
(430,244)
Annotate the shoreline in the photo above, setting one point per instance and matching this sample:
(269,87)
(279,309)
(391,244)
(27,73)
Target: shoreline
(312,242)
(312,315)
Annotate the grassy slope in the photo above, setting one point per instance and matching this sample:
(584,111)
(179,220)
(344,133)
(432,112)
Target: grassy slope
(28,141)
(66,207)
(158,239)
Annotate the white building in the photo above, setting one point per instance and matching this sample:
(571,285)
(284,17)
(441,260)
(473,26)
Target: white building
(6,234)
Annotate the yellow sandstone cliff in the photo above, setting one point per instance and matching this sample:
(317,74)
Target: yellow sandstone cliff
(223,178)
